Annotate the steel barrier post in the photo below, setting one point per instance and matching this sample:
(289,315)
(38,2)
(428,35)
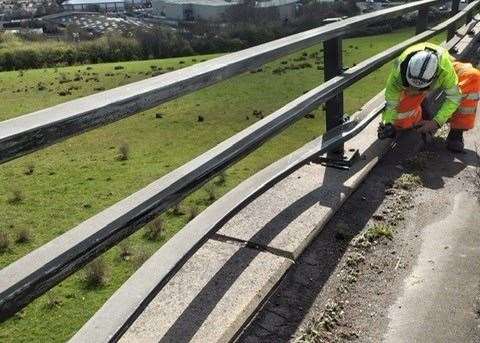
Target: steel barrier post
(453,28)
(469,16)
(333,61)
(422,20)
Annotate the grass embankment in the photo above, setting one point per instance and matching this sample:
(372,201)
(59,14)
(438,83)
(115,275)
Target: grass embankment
(58,187)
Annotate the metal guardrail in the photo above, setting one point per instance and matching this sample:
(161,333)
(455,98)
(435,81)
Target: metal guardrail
(31,132)
(34,274)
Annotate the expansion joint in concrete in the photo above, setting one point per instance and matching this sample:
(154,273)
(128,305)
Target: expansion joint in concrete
(243,243)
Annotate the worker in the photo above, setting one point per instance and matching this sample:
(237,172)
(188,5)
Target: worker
(422,72)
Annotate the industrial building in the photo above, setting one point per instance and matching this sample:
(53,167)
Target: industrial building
(94,5)
(214,10)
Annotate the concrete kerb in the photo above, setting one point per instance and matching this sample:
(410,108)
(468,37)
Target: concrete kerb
(288,216)
(212,297)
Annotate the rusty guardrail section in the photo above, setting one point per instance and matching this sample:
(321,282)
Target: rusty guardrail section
(35,273)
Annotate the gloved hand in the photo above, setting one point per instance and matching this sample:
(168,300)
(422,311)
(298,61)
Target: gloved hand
(427,126)
(386,131)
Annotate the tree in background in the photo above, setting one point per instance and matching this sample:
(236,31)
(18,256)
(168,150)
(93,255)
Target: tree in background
(47,7)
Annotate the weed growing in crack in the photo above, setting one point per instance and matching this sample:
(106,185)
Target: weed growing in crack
(408,182)
(379,231)
(319,329)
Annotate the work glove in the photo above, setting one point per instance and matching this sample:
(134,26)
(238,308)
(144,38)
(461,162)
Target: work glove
(427,126)
(386,131)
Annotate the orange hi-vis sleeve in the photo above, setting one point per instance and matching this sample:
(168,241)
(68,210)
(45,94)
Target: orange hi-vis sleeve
(409,109)
(469,83)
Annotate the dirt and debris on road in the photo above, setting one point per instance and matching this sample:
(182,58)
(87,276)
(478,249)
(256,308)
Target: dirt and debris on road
(370,260)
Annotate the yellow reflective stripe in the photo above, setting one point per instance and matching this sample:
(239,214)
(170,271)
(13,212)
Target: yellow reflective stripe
(404,115)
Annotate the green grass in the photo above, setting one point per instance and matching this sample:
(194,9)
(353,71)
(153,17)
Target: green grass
(78,178)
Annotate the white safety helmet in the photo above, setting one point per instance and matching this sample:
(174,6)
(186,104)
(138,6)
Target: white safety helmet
(422,69)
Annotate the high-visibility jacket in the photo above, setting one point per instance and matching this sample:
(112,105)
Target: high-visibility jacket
(446,79)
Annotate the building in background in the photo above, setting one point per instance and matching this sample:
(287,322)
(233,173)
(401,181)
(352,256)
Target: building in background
(286,8)
(214,10)
(94,5)
(189,10)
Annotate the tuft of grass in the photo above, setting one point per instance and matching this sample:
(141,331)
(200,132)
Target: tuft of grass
(378,231)
(15,196)
(4,241)
(23,236)
(211,191)
(176,210)
(53,301)
(29,169)
(95,274)
(192,212)
(155,230)
(408,182)
(126,250)
(141,258)
(41,86)
(220,179)
(123,152)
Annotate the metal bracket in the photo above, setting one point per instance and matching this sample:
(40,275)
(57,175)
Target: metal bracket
(343,161)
